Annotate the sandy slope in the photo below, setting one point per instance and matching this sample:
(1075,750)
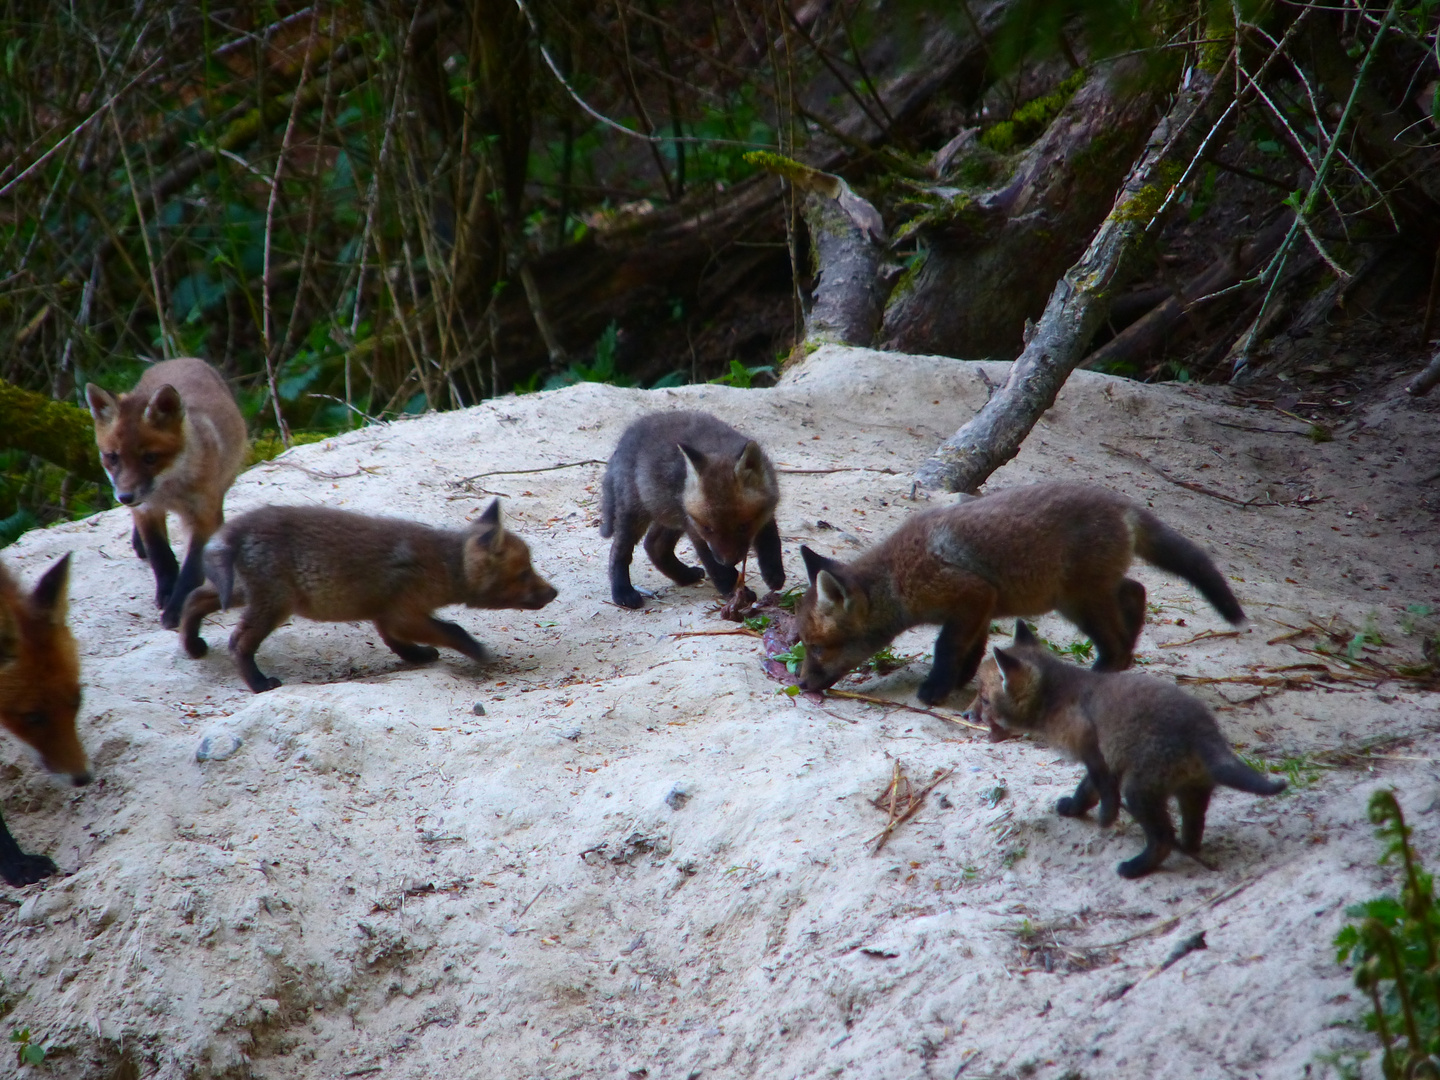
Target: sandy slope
(642,859)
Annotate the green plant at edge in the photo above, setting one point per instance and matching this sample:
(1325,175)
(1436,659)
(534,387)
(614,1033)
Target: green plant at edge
(791,657)
(1393,947)
(27,1050)
(742,376)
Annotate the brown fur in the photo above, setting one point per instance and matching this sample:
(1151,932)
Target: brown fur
(174,442)
(689,474)
(39,694)
(1140,739)
(336,566)
(1022,551)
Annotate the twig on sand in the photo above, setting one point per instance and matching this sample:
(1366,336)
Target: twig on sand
(900,811)
(1172,921)
(745,630)
(317,474)
(853,696)
(1204,635)
(1188,485)
(520,472)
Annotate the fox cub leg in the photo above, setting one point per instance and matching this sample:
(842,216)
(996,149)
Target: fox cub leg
(622,549)
(411,637)
(1149,809)
(958,652)
(1113,623)
(190,577)
(201,602)
(660,546)
(256,624)
(138,542)
(155,543)
(19,867)
(723,576)
(768,555)
(1079,804)
(1193,804)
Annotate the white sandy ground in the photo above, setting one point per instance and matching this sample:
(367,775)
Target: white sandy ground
(644,861)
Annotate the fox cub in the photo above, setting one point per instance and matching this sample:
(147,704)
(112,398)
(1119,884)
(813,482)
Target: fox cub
(1140,739)
(175,442)
(336,566)
(39,694)
(1023,551)
(688,474)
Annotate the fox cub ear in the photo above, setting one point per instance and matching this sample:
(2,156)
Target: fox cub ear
(1023,634)
(51,595)
(489,530)
(814,563)
(165,409)
(103,405)
(832,593)
(750,465)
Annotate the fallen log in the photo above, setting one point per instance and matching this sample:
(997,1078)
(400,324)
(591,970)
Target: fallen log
(1081,297)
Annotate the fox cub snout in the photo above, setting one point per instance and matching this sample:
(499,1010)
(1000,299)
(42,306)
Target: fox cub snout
(1142,741)
(174,442)
(689,474)
(336,566)
(1022,551)
(39,694)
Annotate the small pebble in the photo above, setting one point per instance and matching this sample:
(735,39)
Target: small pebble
(478,709)
(217,747)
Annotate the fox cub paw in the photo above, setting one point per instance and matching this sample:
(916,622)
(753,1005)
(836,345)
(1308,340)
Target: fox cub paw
(630,598)
(690,575)
(725,578)
(1070,806)
(932,692)
(27,869)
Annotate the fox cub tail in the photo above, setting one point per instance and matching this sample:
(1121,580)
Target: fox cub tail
(1162,546)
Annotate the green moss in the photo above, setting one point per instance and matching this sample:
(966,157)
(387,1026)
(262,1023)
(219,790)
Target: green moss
(267,446)
(1029,120)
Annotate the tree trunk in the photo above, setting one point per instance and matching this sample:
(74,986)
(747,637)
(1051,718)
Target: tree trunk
(993,266)
(1081,298)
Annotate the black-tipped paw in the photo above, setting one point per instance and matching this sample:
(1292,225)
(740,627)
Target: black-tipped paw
(196,647)
(629,598)
(725,578)
(1135,868)
(265,684)
(26,869)
(933,691)
(1070,806)
(690,575)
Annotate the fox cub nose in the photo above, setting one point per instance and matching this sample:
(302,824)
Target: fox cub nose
(126,497)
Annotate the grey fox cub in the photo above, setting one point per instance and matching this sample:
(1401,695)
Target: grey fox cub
(1140,739)
(335,566)
(688,474)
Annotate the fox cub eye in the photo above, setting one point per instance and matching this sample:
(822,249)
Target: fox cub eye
(111,457)
(149,458)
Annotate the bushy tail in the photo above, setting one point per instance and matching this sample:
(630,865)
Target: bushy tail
(220,569)
(607,506)
(1234,773)
(1162,546)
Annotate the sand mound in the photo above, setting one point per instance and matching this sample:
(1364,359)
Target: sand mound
(642,858)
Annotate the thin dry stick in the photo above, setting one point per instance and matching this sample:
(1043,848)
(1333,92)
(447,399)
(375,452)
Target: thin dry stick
(1188,485)
(853,696)
(915,802)
(547,468)
(1204,635)
(167,339)
(265,305)
(1169,923)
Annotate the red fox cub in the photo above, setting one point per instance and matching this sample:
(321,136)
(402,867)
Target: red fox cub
(1023,551)
(335,566)
(1141,740)
(39,694)
(688,474)
(175,442)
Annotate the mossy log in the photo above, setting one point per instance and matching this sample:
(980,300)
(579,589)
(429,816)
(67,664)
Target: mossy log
(57,431)
(1081,297)
(993,265)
